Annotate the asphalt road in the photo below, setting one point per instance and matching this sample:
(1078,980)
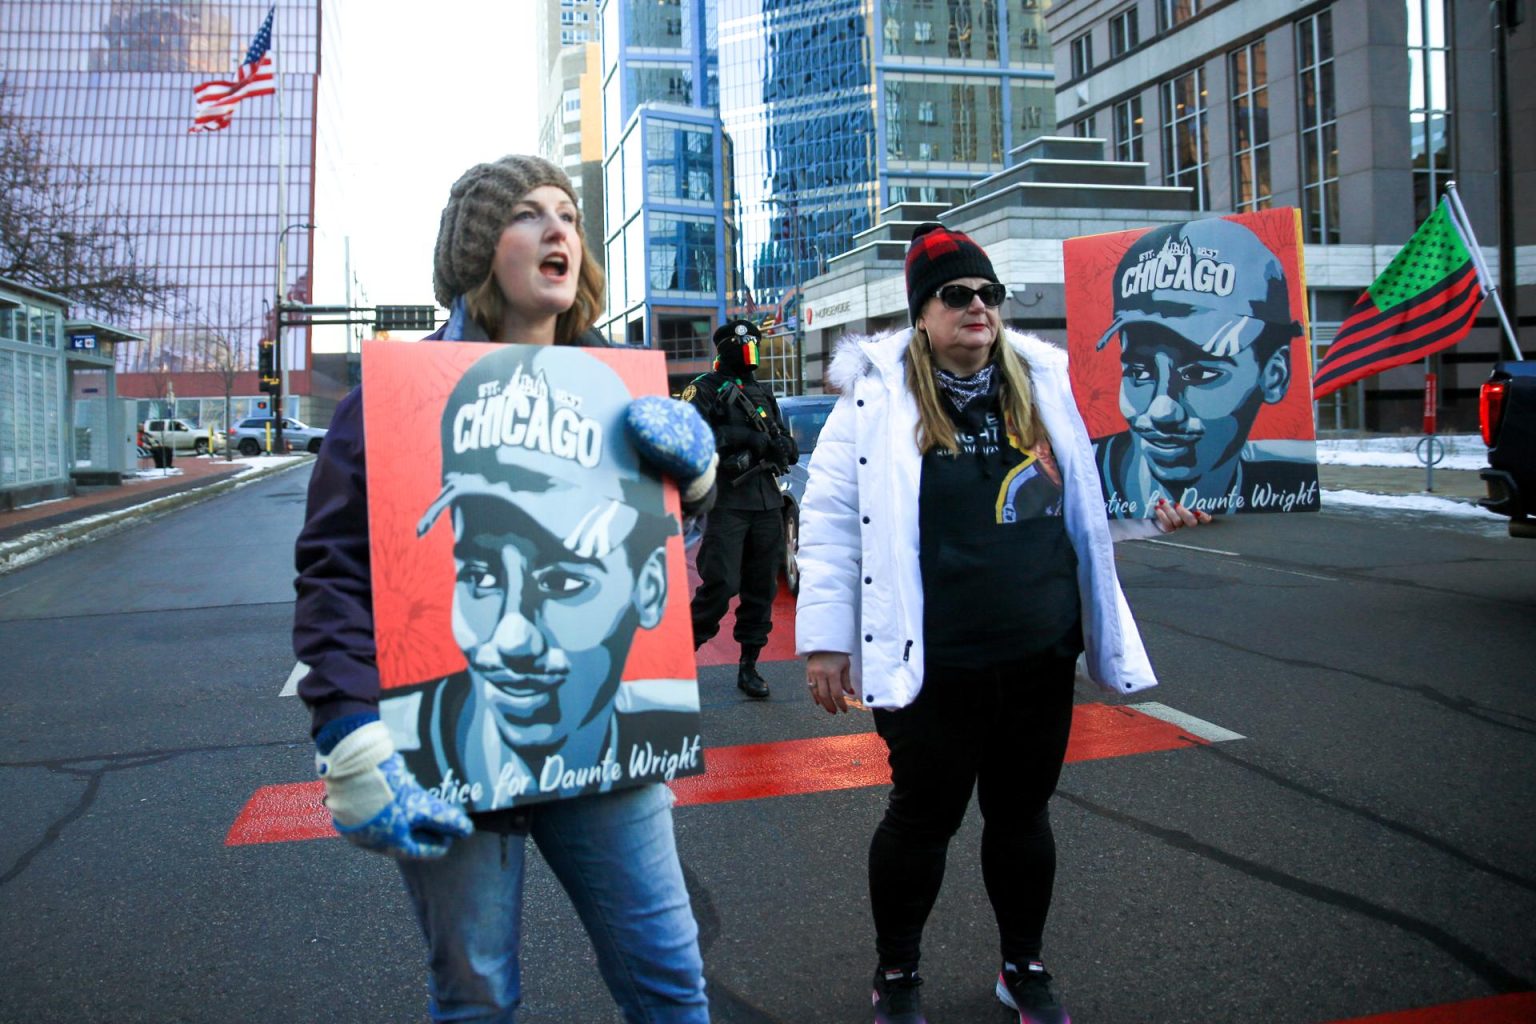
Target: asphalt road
(1367,846)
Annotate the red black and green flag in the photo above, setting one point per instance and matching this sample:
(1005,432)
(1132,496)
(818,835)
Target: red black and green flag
(1423,302)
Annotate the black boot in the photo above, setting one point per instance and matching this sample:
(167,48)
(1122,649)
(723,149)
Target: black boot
(747,678)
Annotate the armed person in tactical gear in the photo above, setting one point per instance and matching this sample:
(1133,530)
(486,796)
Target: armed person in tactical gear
(744,535)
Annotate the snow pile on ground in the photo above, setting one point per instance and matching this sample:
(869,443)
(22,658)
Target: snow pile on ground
(1462,451)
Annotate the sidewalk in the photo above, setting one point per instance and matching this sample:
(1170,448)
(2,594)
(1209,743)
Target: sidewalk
(36,531)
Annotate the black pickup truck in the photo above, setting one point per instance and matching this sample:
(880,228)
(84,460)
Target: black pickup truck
(1507,412)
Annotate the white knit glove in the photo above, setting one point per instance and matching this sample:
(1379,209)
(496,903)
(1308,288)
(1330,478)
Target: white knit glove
(377,804)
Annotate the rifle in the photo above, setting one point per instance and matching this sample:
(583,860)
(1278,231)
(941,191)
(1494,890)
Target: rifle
(767,426)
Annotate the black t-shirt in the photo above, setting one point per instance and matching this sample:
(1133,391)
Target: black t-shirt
(999,571)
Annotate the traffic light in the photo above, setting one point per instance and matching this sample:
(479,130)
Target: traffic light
(266,366)
(405,318)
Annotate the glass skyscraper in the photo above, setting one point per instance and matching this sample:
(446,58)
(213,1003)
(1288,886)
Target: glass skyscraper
(109,85)
(749,142)
(664,161)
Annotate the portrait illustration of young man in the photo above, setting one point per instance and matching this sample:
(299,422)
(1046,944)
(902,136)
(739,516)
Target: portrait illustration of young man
(558,561)
(1202,315)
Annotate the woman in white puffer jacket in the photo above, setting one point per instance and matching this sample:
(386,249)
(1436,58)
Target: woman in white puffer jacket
(955,557)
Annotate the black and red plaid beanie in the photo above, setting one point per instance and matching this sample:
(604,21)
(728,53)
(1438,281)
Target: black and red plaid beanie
(938,256)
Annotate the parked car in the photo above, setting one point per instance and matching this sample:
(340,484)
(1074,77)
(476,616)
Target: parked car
(181,436)
(249,436)
(805,415)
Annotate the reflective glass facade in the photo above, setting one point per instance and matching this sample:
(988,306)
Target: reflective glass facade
(815,115)
(663,168)
(109,84)
(835,109)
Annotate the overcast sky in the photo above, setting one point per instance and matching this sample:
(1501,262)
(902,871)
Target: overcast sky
(453,83)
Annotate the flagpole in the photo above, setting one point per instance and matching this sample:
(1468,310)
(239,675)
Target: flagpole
(1459,215)
(282,222)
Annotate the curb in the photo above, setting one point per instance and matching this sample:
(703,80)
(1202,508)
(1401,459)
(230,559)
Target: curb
(40,544)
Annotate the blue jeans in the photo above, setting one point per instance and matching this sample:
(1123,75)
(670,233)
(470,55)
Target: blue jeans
(614,853)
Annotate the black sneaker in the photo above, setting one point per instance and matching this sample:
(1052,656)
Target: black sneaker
(896,999)
(1029,992)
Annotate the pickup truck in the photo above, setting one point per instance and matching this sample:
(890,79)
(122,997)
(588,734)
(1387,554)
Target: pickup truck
(181,436)
(1507,413)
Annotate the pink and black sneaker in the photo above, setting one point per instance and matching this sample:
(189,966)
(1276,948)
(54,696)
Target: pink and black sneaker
(1029,992)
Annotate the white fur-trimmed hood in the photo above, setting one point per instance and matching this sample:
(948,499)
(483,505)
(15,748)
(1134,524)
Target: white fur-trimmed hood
(858,355)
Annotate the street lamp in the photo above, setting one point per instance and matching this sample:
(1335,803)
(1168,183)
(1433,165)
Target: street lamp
(277,330)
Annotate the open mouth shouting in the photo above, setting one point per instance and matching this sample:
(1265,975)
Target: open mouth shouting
(555,267)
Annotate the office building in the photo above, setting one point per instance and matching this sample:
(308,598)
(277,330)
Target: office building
(1354,112)
(1357,112)
(108,83)
(747,143)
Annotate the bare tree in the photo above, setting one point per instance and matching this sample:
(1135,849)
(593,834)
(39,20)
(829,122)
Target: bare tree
(55,234)
(216,345)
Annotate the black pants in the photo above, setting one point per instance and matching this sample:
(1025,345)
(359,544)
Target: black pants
(1003,731)
(740,553)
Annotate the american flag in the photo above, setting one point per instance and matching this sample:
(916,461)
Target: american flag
(216,100)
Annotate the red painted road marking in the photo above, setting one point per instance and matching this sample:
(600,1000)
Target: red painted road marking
(1518,1008)
(282,814)
(722,650)
(293,812)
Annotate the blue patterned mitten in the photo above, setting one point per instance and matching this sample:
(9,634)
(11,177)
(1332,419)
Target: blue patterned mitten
(377,804)
(674,439)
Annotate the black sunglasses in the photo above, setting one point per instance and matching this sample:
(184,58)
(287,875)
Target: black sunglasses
(958,296)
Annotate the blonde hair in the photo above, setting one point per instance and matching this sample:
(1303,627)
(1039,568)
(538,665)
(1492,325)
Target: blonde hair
(935,429)
(487,305)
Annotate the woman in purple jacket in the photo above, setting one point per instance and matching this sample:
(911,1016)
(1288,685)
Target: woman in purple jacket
(511,267)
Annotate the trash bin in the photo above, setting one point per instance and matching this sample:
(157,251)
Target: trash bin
(157,453)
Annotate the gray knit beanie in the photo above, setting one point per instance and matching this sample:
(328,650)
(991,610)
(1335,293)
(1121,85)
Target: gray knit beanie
(479,208)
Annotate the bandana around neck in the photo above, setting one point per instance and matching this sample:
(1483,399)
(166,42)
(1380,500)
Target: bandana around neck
(964,390)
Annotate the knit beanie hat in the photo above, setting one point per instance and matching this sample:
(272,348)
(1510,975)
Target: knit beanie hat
(938,256)
(479,208)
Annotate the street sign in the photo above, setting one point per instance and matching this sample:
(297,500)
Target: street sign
(405,318)
(82,342)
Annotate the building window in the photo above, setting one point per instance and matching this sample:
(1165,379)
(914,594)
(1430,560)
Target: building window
(1083,129)
(1124,32)
(1173,13)
(684,337)
(1185,156)
(681,253)
(922,32)
(1128,125)
(1250,128)
(1319,129)
(1429,101)
(679,162)
(1082,55)
(970,130)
